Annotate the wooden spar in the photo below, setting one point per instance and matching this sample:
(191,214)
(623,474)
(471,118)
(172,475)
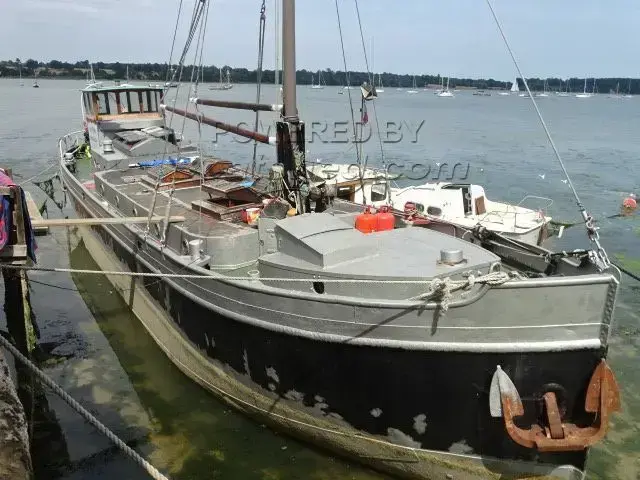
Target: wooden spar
(67,222)
(262,107)
(258,137)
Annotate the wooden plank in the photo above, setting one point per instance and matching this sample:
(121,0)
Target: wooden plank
(69,222)
(34,214)
(14,251)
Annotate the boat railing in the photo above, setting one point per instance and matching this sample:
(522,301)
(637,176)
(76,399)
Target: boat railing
(70,140)
(522,208)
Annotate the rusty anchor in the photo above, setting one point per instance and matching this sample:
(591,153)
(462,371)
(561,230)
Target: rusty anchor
(603,398)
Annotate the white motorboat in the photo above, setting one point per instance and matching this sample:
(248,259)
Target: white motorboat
(462,205)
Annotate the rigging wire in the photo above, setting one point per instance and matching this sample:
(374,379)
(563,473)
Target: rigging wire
(173,44)
(277,48)
(195,73)
(353,116)
(261,35)
(375,110)
(198,8)
(197,107)
(600,257)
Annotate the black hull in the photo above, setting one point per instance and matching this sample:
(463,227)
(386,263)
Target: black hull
(375,390)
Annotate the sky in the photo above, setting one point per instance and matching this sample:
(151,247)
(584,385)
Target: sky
(551,38)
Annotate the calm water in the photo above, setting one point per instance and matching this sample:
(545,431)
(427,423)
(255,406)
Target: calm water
(103,357)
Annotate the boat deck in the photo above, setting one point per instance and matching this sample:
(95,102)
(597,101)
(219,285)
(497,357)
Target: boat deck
(137,188)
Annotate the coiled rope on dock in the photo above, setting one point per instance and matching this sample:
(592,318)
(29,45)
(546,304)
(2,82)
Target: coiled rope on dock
(45,379)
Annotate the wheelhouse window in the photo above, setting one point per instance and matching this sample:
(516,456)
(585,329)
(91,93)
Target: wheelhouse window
(134,101)
(86,104)
(123,102)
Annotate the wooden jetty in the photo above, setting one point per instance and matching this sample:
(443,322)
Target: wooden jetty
(15,457)
(35,215)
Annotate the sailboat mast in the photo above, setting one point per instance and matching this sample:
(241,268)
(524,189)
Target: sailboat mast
(290,130)
(277,42)
(290,112)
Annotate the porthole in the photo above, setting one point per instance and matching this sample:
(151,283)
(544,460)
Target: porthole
(135,211)
(117,200)
(185,246)
(318,287)
(102,188)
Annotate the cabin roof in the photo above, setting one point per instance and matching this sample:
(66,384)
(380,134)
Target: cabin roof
(100,87)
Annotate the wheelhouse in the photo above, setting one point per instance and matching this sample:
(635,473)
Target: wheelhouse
(121,103)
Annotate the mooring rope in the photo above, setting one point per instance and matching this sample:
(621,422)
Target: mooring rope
(442,288)
(45,379)
(482,279)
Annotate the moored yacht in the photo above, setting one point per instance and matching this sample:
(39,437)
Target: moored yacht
(462,205)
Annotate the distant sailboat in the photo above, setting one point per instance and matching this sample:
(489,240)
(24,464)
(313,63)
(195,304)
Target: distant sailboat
(414,88)
(35,80)
(561,93)
(514,86)
(20,69)
(584,93)
(223,85)
(348,85)
(446,92)
(504,92)
(320,84)
(544,92)
(379,86)
(170,83)
(628,94)
(617,94)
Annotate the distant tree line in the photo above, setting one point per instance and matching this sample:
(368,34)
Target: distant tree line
(211,73)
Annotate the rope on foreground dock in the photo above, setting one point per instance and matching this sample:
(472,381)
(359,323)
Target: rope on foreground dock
(151,470)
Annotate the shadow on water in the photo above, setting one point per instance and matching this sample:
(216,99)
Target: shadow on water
(193,436)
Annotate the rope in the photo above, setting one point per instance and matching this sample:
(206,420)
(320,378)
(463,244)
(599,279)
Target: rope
(261,35)
(375,110)
(489,278)
(600,257)
(627,272)
(441,289)
(50,167)
(353,116)
(198,9)
(46,380)
(173,42)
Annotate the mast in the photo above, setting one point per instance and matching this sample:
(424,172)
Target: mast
(290,112)
(290,131)
(277,42)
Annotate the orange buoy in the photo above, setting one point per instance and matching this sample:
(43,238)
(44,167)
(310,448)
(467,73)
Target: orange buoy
(630,203)
(366,222)
(385,220)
